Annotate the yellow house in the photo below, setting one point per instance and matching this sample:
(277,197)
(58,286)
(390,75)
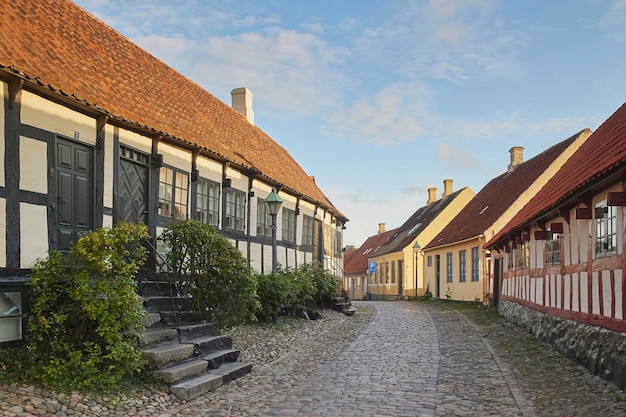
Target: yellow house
(396,267)
(457,267)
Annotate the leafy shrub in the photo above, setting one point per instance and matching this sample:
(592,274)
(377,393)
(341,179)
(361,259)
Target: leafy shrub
(85,320)
(213,273)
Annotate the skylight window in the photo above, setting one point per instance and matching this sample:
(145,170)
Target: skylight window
(368,250)
(483,210)
(414,228)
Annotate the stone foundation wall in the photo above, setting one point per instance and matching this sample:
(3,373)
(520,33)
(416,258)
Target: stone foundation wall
(600,350)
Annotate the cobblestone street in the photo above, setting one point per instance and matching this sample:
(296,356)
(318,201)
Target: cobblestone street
(408,359)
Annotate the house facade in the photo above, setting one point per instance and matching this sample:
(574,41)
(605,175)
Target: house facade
(95,131)
(560,261)
(398,264)
(457,266)
(357,267)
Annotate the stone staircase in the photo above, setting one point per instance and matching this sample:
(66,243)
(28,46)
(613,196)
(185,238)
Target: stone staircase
(343,306)
(190,357)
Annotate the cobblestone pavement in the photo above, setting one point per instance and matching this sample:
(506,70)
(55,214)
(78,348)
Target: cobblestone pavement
(408,361)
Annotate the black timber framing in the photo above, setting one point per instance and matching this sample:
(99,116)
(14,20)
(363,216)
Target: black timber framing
(12,121)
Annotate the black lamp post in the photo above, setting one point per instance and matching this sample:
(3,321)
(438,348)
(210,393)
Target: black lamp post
(273,203)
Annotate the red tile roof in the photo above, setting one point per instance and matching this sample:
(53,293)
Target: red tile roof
(63,48)
(598,156)
(497,196)
(357,262)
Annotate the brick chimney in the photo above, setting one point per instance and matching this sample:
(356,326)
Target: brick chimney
(381,228)
(517,157)
(447,188)
(242,102)
(432,195)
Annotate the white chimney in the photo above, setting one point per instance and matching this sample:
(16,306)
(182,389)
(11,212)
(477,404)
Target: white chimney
(242,102)
(517,157)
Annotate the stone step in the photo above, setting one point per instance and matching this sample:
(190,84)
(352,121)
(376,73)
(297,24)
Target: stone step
(208,344)
(194,331)
(169,352)
(150,319)
(217,358)
(156,335)
(155,304)
(182,370)
(194,387)
(179,318)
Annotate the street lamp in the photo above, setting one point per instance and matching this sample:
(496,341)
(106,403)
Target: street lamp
(273,203)
(416,249)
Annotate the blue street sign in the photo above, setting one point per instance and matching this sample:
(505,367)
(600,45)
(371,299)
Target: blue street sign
(371,267)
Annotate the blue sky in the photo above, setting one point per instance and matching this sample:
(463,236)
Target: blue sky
(380,100)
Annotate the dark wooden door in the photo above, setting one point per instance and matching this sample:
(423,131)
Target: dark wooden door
(133,186)
(74,175)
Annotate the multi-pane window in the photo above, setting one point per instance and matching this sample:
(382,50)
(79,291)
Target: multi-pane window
(393,272)
(509,264)
(606,229)
(475,276)
(207,204)
(553,248)
(11,316)
(235,214)
(173,190)
(263,219)
(449,268)
(307,230)
(289,225)
(462,266)
(522,255)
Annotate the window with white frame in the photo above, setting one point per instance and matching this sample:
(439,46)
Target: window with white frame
(553,248)
(429,260)
(606,229)
(522,255)
(510,259)
(307,230)
(235,213)
(449,267)
(289,225)
(393,272)
(475,276)
(173,191)
(207,202)
(263,219)
(462,266)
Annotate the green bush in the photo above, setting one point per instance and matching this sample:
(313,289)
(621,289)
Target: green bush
(85,320)
(214,274)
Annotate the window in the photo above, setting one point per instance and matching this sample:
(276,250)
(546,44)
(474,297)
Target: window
(393,272)
(263,219)
(462,266)
(235,210)
(553,248)
(606,229)
(475,276)
(11,319)
(289,225)
(509,258)
(307,231)
(449,267)
(429,260)
(173,189)
(207,207)
(338,241)
(522,255)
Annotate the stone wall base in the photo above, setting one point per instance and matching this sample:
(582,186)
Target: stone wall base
(600,350)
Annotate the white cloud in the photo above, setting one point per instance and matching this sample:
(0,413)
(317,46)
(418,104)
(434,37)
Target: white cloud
(392,116)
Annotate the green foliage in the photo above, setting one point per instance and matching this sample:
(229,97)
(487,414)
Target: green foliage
(85,319)
(307,285)
(215,275)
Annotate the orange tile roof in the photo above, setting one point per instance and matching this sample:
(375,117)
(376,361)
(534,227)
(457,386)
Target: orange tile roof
(496,197)
(357,263)
(601,154)
(61,47)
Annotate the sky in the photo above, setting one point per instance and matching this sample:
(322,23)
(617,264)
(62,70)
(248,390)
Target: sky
(381,99)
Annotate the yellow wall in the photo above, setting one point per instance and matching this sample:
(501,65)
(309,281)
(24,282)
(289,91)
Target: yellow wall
(413,270)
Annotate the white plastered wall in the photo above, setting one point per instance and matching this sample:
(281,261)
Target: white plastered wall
(46,115)
(33,234)
(34,165)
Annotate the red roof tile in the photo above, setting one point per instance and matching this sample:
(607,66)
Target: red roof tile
(602,153)
(60,46)
(497,196)
(357,263)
